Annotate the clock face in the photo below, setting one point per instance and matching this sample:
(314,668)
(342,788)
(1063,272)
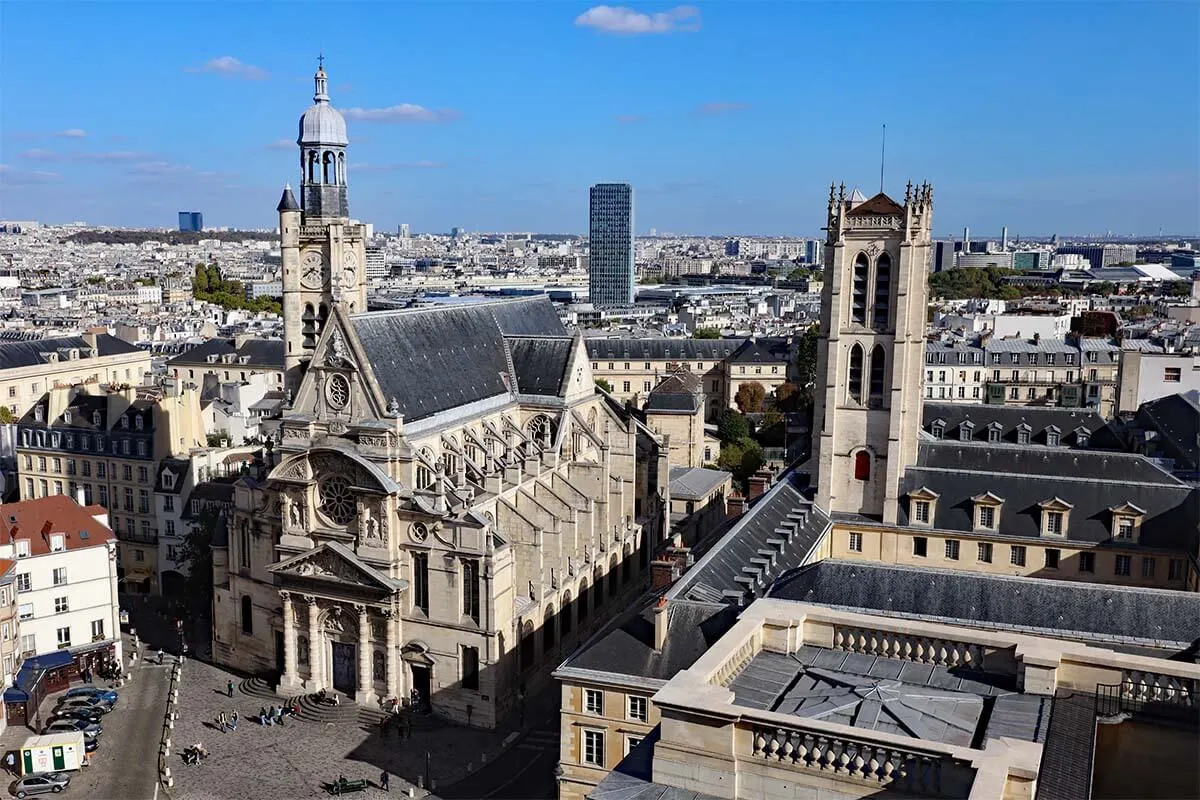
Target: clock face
(349,270)
(312,270)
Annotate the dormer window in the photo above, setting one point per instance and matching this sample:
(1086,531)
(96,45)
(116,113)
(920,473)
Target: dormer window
(1082,436)
(1023,432)
(22,548)
(987,512)
(39,414)
(168,479)
(938,428)
(1055,513)
(139,423)
(922,504)
(125,423)
(1126,522)
(67,417)
(1053,436)
(966,431)
(96,418)
(995,432)
(58,542)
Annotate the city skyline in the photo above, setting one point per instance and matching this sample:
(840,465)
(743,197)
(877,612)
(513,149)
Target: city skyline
(715,137)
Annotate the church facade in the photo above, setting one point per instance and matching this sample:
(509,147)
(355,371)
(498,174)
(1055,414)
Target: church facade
(454,503)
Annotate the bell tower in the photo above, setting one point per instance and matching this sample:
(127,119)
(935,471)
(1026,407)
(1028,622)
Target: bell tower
(870,350)
(323,250)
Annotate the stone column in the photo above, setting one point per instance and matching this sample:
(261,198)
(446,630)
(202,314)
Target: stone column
(392,620)
(315,681)
(365,695)
(290,679)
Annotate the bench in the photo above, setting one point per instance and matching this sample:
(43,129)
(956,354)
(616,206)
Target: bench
(345,786)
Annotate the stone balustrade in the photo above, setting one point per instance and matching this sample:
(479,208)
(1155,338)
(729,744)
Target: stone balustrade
(907,647)
(904,769)
(1156,687)
(730,667)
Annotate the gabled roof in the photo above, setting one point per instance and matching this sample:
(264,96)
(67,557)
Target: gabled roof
(878,206)
(681,391)
(434,359)
(333,561)
(695,483)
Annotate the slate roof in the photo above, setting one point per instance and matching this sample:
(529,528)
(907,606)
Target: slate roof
(1092,481)
(1019,345)
(1067,420)
(1083,610)
(695,483)
(679,392)
(435,359)
(762,351)
(661,349)
(541,364)
(262,353)
(179,468)
(1177,420)
(27,354)
(776,534)
(879,205)
(626,647)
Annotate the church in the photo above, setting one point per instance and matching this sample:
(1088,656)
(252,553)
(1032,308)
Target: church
(454,503)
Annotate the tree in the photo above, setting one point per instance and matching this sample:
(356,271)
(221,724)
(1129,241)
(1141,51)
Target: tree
(743,459)
(806,365)
(706,333)
(732,426)
(200,281)
(196,552)
(605,385)
(7,417)
(800,274)
(750,397)
(787,397)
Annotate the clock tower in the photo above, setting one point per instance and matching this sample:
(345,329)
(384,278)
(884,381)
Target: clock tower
(323,250)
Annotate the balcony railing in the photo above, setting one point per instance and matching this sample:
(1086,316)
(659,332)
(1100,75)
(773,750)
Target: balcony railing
(899,769)
(141,538)
(1142,693)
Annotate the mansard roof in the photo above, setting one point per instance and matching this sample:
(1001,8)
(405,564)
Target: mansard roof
(762,351)
(540,363)
(434,359)
(28,353)
(1009,419)
(878,206)
(260,353)
(662,349)
(1088,610)
(1092,481)
(681,391)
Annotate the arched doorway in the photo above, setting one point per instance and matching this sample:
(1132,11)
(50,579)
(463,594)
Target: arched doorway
(420,669)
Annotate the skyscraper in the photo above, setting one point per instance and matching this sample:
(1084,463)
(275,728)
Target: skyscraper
(610,241)
(191,221)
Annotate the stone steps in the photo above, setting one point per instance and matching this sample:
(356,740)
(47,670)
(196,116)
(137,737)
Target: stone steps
(258,687)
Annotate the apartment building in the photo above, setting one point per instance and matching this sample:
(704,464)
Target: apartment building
(231,360)
(29,369)
(10,653)
(1145,376)
(104,449)
(1073,372)
(633,367)
(65,578)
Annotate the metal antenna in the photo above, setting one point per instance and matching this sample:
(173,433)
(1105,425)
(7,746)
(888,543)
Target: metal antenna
(882,156)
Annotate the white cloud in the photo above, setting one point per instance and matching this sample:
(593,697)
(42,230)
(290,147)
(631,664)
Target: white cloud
(405,112)
(72,133)
(721,108)
(24,177)
(396,167)
(622,20)
(230,67)
(101,157)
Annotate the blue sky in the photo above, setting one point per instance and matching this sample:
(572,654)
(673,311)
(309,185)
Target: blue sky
(726,117)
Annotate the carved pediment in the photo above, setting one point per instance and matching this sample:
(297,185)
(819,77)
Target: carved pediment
(337,565)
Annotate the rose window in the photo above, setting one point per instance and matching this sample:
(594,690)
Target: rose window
(338,392)
(337,501)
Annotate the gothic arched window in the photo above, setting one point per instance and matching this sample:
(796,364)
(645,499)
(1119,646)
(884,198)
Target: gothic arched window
(878,373)
(883,292)
(858,291)
(862,466)
(854,375)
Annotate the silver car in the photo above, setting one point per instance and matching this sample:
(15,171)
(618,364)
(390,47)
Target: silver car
(88,729)
(45,782)
(88,703)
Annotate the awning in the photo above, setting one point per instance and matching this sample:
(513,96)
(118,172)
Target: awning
(15,694)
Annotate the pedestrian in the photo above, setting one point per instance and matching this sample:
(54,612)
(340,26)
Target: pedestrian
(383,781)
(221,721)
(160,655)
(229,688)
(262,716)
(234,719)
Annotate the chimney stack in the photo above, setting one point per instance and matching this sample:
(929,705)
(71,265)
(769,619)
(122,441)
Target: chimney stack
(80,497)
(660,624)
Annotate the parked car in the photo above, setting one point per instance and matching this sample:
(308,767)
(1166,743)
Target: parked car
(88,729)
(101,706)
(89,713)
(45,782)
(107,695)
(90,743)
